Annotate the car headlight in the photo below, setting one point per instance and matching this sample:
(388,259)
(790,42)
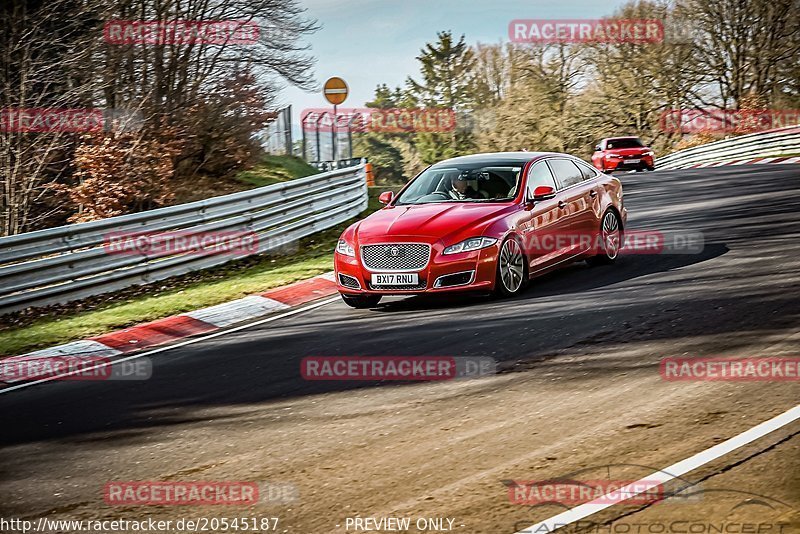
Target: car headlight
(468,245)
(343,247)
(648,153)
(614,156)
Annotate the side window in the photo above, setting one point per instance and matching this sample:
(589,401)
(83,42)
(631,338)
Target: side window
(567,173)
(586,170)
(540,175)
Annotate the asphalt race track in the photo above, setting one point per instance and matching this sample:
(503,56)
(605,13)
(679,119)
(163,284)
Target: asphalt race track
(578,391)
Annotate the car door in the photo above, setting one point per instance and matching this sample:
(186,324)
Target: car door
(577,197)
(544,227)
(592,189)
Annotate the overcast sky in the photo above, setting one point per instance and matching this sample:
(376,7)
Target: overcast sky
(368,42)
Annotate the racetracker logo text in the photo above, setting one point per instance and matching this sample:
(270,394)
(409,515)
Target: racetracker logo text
(542,243)
(219,32)
(776,369)
(181,242)
(84,120)
(66,367)
(726,120)
(410,368)
(181,493)
(572,492)
(391,120)
(543,31)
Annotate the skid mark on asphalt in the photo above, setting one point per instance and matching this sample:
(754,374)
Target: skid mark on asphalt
(665,475)
(717,472)
(499,469)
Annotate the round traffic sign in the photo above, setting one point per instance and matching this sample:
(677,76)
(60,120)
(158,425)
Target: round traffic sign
(335,91)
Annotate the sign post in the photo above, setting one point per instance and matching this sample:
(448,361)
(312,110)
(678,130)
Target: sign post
(335,91)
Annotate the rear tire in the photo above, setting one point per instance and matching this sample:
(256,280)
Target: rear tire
(361,302)
(512,272)
(611,240)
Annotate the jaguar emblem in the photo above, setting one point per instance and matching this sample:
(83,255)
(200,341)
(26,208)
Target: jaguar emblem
(395,252)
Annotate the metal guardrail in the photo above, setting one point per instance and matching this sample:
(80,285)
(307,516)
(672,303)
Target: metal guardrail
(761,144)
(70,262)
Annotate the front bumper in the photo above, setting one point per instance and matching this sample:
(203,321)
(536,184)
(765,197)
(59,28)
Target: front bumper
(617,164)
(476,271)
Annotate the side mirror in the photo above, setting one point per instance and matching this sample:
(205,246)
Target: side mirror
(543,192)
(386,197)
(598,149)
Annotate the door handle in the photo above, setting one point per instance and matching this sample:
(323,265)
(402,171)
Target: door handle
(593,193)
(562,204)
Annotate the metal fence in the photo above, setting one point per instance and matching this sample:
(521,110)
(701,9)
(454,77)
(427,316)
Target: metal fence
(761,144)
(277,136)
(61,264)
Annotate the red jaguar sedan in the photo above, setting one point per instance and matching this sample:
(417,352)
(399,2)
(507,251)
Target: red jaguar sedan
(482,223)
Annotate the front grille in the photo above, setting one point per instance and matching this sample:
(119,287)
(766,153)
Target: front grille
(396,256)
(349,281)
(421,285)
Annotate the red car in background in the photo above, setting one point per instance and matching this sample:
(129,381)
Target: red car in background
(485,223)
(623,153)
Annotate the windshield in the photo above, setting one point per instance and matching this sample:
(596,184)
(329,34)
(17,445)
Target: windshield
(482,182)
(624,143)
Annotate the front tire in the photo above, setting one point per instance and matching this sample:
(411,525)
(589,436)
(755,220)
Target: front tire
(512,274)
(611,240)
(361,302)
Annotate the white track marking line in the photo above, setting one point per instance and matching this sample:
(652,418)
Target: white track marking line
(659,477)
(176,345)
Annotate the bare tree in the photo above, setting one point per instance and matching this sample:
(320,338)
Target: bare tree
(54,54)
(746,45)
(45,58)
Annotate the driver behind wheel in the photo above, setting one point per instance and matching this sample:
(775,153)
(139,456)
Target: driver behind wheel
(460,188)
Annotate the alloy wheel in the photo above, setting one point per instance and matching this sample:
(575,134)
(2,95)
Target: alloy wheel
(611,235)
(512,266)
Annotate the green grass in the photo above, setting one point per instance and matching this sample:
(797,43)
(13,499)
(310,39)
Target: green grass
(275,169)
(240,278)
(53,331)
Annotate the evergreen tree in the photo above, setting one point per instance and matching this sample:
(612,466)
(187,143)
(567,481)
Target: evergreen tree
(448,79)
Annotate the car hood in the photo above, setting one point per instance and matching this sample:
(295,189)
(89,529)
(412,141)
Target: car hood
(430,220)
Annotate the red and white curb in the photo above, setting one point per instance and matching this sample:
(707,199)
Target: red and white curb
(202,321)
(749,161)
